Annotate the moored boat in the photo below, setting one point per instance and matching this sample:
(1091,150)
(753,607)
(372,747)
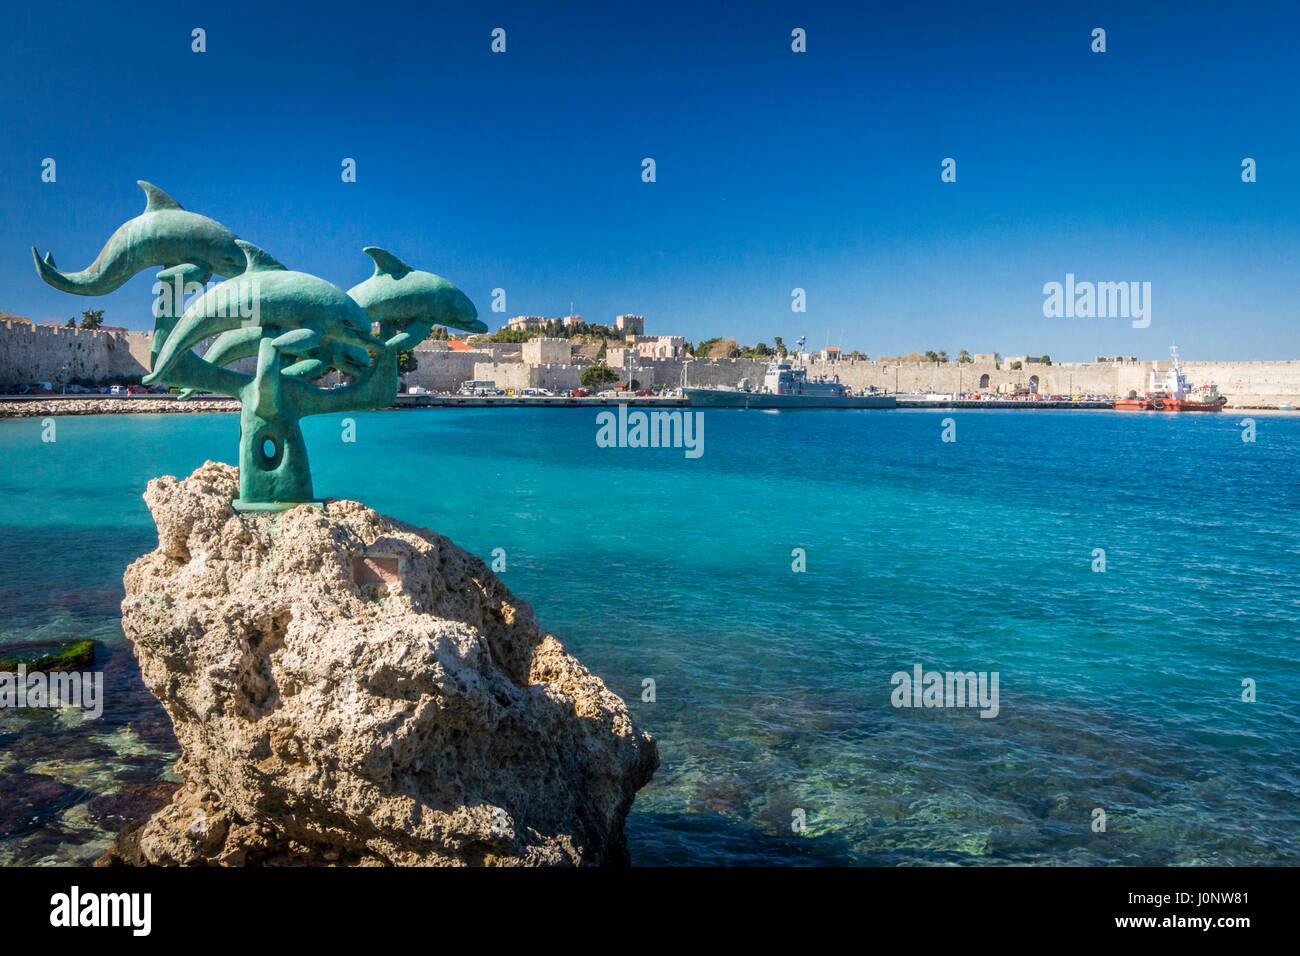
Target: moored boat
(1173,393)
(786,385)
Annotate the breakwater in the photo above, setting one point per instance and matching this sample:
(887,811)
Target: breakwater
(135,405)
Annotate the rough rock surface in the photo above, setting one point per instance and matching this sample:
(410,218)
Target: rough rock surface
(135,405)
(349,689)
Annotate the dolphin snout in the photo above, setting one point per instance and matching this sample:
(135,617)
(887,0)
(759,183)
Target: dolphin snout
(463,313)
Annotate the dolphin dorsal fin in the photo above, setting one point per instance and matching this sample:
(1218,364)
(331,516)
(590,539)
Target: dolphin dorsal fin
(386,264)
(157,199)
(259,260)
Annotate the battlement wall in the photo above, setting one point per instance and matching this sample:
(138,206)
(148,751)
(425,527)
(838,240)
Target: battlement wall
(52,353)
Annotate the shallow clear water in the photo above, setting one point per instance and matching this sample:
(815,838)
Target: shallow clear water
(1119,690)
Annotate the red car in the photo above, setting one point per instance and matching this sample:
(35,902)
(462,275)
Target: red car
(137,390)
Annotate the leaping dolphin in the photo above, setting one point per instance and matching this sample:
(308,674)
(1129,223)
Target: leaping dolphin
(243,343)
(194,246)
(408,303)
(302,311)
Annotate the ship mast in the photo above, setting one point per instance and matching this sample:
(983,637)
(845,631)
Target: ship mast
(1176,389)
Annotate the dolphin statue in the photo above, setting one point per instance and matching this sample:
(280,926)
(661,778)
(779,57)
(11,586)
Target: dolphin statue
(188,245)
(303,311)
(408,303)
(244,343)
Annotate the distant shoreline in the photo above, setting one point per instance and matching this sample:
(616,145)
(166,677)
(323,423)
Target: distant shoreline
(51,405)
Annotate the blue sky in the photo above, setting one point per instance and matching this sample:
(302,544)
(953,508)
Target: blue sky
(775,170)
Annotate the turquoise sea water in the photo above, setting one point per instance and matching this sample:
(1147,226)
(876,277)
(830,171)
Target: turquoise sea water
(1119,690)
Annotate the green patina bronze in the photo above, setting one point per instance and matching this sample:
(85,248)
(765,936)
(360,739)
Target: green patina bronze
(297,326)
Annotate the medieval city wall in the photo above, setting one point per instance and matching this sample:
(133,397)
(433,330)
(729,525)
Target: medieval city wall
(49,353)
(52,353)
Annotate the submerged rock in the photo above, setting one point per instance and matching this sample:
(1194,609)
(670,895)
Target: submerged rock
(346,688)
(46,657)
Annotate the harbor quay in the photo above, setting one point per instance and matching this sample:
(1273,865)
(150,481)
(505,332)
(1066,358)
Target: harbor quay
(35,353)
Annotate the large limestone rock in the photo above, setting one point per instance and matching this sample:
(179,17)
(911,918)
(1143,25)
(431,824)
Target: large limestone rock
(349,689)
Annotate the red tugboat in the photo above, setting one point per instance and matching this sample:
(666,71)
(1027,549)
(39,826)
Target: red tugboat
(1174,394)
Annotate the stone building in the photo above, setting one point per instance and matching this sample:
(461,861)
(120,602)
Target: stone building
(630,324)
(546,351)
(660,346)
(527,323)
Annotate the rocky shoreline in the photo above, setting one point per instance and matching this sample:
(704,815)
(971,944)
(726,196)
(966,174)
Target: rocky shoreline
(347,689)
(159,405)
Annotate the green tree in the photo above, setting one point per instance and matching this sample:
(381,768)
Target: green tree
(943,356)
(92,318)
(1015,366)
(702,349)
(1046,360)
(931,356)
(70,324)
(964,357)
(598,375)
(779,346)
(407,362)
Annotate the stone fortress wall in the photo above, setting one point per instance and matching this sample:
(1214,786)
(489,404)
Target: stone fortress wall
(51,353)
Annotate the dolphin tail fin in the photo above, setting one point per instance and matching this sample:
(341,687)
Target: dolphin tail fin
(47,270)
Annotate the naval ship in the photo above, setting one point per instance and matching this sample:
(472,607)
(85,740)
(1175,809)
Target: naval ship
(786,386)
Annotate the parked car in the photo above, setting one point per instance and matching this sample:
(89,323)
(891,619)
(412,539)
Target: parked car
(117,390)
(645,391)
(417,390)
(137,390)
